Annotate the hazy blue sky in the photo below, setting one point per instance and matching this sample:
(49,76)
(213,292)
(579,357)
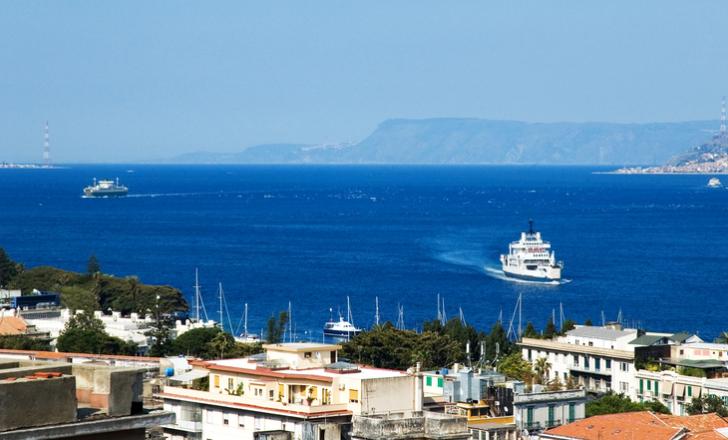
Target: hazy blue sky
(130,80)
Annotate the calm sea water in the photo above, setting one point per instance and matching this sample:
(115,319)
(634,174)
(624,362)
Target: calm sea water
(653,246)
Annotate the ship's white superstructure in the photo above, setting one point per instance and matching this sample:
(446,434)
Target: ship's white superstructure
(343,328)
(714,182)
(531,258)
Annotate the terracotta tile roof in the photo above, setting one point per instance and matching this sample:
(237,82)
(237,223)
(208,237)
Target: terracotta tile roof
(696,424)
(642,425)
(12,325)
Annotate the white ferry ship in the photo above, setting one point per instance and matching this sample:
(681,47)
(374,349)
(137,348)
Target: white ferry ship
(714,182)
(105,188)
(531,258)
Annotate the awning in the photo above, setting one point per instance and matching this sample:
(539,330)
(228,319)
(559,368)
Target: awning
(189,376)
(698,392)
(666,387)
(679,389)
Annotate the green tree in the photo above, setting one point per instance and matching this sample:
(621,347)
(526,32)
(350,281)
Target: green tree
(277,328)
(386,347)
(707,404)
(497,339)
(550,331)
(461,333)
(514,366)
(195,342)
(24,342)
(542,368)
(530,331)
(567,325)
(222,343)
(78,298)
(84,333)
(9,269)
(612,403)
(93,267)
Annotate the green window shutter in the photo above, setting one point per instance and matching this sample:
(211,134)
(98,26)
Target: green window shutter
(572,411)
(642,386)
(439,382)
(428,381)
(649,385)
(529,415)
(690,391)
(657,388)
(551,415)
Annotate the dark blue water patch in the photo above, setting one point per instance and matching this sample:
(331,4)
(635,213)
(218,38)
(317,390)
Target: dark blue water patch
(653,246)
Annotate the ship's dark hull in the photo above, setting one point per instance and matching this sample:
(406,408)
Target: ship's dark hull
(101,194)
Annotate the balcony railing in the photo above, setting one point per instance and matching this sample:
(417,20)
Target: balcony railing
(226,399)
(541,425)
(549,396)
(186,425)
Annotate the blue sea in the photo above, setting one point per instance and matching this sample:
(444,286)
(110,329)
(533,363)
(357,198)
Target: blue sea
(654,247)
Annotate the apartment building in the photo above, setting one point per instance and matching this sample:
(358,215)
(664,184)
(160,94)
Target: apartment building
(601,359)
(296,391)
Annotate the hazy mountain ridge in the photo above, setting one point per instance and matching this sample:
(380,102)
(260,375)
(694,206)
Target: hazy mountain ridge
(482,141)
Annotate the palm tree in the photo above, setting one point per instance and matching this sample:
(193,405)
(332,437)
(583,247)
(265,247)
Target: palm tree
(542,367)
(723,338)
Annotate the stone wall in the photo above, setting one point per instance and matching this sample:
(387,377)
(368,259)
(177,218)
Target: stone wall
(36,402)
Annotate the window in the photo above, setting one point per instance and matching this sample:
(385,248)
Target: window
(551,415)
(572,412)
(586,362)
(307,355)
(529,415)
(624,366)
(230,383)
(576,360)
(608,364)
(439,382)
(428,381)
(216,381)
(271,394)
(597,361)
(529,354)
(623,387)
(225,420)
(241,421)
(642,386)
(690,391)
(354,396)
(258,392)
(649,384)
(591,344)
(657,391)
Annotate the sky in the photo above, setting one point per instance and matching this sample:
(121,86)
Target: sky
(144,80)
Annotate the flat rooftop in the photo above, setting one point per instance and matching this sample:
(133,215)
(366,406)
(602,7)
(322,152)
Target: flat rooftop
(608,334)
(245,366)
(297,347)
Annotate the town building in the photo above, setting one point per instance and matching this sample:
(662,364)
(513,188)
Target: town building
(643,425)
(497,407)
(55,400)
(415,425)
(601,359)
(295,391)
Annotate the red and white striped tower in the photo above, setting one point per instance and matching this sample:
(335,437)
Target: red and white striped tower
(46,147)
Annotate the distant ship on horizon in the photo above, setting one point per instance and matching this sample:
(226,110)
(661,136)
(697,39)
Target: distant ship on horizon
(105,188)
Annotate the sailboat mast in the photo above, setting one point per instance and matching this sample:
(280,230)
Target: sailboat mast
(197,295)
(349,318)
(222,317)
(245,322)
(376,314)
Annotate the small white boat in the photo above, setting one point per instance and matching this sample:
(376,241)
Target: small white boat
(714,183)
(343,328)
(245,337)
(530,258)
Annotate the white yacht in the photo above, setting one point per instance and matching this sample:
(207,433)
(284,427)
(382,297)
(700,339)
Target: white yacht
(714,183)
(343,328)
(531,258)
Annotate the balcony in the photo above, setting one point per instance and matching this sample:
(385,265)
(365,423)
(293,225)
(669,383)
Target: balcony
(549,396)
(586,369)
(533,426)
(186,425)
(185,394)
